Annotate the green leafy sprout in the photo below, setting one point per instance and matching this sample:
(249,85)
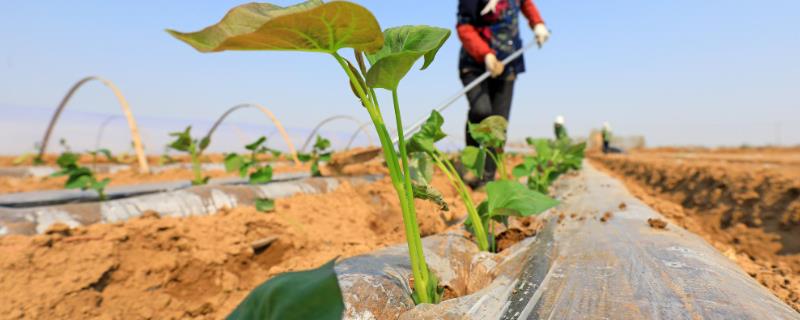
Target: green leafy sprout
(553,158)
(250,166)
(491,136)
(79,177)
(320,153)
(185,143)
(314,26)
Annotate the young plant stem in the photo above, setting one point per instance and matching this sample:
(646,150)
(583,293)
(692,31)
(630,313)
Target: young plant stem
(499,160)
(419,267)
(449,170)
(196,168)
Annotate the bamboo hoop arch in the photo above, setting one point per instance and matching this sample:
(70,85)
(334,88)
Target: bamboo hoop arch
(269,115)
(330,119)
(126,110)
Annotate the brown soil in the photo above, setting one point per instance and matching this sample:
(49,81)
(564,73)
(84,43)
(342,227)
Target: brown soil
(657,223)
(606,216)
(203,266)
(127,177)
(747,209)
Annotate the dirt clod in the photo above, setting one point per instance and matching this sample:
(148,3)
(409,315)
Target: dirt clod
(623,206)
(606,216)
(657,223)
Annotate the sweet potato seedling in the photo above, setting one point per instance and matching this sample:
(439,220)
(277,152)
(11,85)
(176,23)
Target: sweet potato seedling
(79,177)
(314,26)
(552,159)
(491,136)
(185,143)
(424,142)
(318,154)
(250,166)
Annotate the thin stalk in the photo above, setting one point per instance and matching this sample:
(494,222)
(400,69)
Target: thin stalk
(198,174)
(404,162)
(452,175)
(498,160)
(418,266)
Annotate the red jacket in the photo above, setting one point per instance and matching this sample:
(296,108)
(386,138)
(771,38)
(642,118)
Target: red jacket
(476,32)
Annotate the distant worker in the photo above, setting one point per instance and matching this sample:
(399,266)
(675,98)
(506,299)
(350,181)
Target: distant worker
(606,137)
(560,129)
(489,32)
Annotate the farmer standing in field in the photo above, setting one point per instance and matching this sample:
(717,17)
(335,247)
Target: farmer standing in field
(560,129)
(489,32)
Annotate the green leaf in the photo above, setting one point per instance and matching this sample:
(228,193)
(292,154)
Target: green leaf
(67,159)
(542,147)
(511,198)
(100,185)
(265,205)
(420,167)
(233,162)
(428,135)
(183,140)
(321,144)
(402,47)
(491,132)
(253,146)
(429,193)
(525,168)
(325,157)
(261,175)
(311,294)
(204,143)
(304,157)
(78,181)
(107,153)
(474,159)
(310,26)
(315,169)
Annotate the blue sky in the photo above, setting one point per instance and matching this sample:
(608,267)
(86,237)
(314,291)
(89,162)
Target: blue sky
(678,72)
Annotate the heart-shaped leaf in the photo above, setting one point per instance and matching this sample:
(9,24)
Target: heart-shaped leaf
(254,146)
(265,205)
(402,47)
(511,198)
(233,162)
(261,175)
(491,132)
(428,134)
(474,159)
(311,26)
(311,294)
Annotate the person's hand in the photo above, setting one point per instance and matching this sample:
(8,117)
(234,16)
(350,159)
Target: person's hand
(542,34)
(494,66)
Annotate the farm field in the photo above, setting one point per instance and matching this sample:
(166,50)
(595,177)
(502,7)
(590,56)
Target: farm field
(743,201)
(202,267)
(287,161)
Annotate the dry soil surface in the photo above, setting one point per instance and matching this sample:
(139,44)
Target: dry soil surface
(745,203)
(155,267)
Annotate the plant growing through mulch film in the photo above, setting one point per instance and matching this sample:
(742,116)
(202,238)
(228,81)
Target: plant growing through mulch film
(250,166)
(491,136)
(505,197)
(79,177)
(185,143)
(552,159)
(314,26)
(320,152)
(422,147)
